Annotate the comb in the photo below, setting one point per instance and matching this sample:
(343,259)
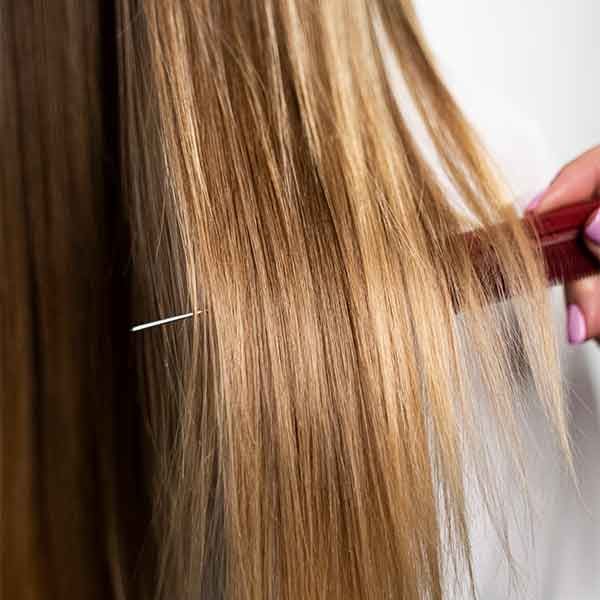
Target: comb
(558,234)
(566,256)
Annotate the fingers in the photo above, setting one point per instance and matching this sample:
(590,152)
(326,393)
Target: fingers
(576,182)
(583,297)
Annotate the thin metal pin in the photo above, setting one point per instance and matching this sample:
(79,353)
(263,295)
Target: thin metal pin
(165,321)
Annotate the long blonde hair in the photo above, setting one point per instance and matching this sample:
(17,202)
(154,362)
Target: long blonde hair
(308,433)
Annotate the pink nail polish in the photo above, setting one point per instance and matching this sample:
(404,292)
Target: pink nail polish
(576,329)
(533,204)
(592,230)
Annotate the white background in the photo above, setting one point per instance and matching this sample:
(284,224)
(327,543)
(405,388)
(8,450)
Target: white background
(541,56)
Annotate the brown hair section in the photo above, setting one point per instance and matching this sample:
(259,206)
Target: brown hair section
(73,501)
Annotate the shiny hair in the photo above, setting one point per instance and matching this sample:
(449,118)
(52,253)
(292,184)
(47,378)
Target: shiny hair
(313,431)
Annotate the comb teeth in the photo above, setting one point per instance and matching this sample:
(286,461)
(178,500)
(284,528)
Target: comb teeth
(568,260)
(559,234)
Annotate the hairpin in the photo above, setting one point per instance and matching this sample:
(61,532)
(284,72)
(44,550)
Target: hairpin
(150,324)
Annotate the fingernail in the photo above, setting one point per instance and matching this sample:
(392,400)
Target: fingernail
(533,204)
(576,329)
(592,229)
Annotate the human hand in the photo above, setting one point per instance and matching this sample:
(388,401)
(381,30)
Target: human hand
(578,181)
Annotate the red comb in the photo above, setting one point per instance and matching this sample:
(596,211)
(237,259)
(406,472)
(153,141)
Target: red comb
(559,232)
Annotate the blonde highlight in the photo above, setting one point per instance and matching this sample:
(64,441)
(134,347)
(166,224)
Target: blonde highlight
(329,405)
